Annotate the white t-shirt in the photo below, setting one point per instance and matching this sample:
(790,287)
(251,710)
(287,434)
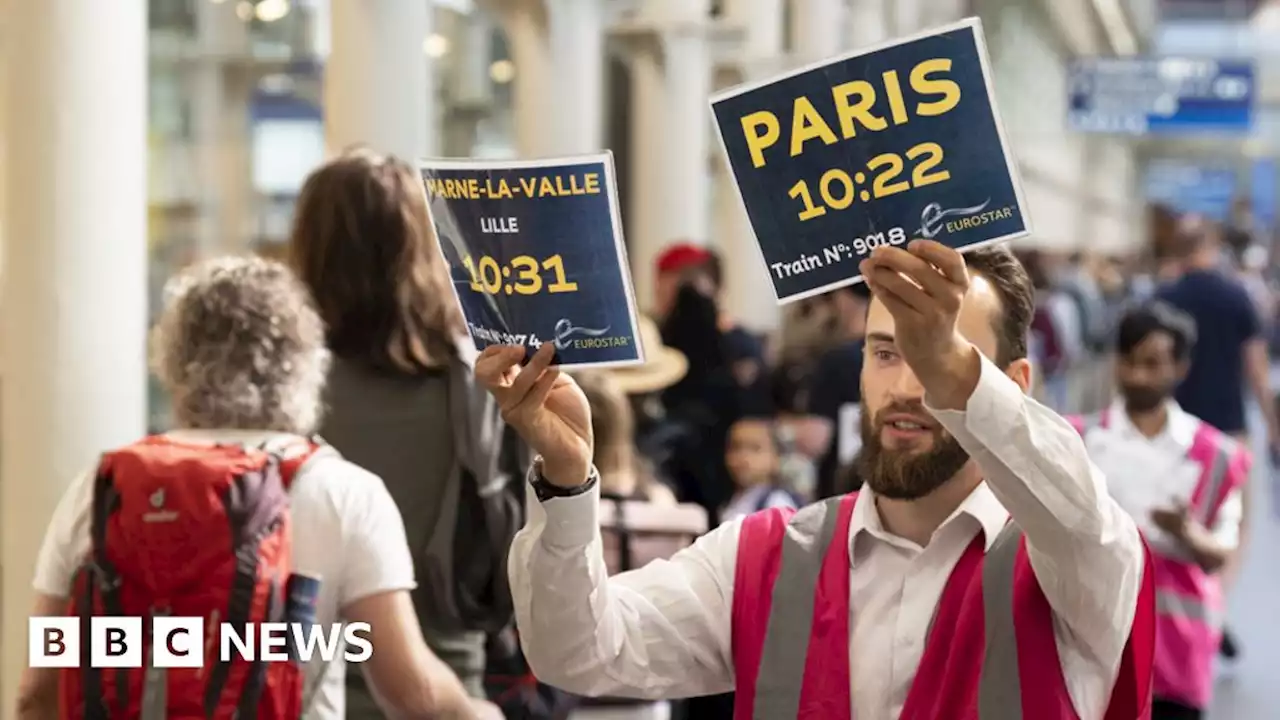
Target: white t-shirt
(347,531)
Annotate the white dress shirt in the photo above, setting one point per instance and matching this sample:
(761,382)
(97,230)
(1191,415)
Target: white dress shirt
(1174,440)
(664,630)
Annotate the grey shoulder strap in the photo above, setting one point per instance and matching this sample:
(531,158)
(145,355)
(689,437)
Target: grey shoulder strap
(1000,689)
(786,643)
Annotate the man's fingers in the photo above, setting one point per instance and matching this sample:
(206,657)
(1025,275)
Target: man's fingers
(528,375)
(918,269)
(890,300)
(895,290)
(541,388)
(496,364)
(946,259)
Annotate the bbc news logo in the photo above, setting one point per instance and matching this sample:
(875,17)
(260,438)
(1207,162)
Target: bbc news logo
(180,642)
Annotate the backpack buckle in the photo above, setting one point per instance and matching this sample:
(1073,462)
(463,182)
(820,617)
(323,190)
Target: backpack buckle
(108,579)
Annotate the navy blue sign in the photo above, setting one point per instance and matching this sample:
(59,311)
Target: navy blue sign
(1189,187)
(536,255)
(875,148)
(1161,95)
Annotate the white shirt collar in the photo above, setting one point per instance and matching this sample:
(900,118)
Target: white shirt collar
(981,507)
(1180,426)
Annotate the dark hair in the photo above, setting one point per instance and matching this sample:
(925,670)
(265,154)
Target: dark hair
(858,290)
(1013,286)
(714,268)
(1140,322)
(364,244)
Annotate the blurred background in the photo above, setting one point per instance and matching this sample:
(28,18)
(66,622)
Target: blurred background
(140,135)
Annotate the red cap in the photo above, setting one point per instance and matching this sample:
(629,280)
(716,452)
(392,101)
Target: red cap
(680,256)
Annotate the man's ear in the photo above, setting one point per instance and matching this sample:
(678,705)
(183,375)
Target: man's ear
(1020,371)
(1181,370)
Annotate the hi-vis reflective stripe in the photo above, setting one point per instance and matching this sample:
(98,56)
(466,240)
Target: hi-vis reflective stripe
(786,642)
(1217,476)
(1171,604)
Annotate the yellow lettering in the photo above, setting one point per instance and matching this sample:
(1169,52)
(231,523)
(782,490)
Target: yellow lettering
(560,190)
(592,183)
(897,104)
(806,125)
(761,130)
(923,84)
(546,188)
(529,186)
(504,191)
(848,112)
(473,188)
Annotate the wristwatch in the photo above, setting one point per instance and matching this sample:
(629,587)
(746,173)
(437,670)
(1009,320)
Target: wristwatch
(545,490)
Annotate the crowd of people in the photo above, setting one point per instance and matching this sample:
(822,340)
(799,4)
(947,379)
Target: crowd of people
(672,552)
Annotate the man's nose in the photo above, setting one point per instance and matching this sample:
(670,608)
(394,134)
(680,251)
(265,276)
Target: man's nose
(906,387)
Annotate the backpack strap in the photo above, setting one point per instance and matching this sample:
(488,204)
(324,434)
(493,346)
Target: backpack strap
(102,585)
(243,586)
(294,462)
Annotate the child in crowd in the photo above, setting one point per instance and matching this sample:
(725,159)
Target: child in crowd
(753,455)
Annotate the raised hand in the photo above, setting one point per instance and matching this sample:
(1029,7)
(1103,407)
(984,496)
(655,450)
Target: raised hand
(923,288)
(546,408)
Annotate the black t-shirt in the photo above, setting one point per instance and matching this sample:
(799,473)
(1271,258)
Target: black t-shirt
(1225,320)
(836,383)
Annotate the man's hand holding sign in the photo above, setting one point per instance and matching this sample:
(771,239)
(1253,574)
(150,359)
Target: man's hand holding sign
(546,407)
(923,287)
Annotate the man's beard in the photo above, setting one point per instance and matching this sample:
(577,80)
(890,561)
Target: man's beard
(906,474)
(1142,399)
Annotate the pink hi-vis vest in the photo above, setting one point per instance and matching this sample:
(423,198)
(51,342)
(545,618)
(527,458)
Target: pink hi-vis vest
(1189,602)
(991,652)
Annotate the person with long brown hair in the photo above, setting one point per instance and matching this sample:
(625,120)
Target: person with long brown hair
(401,396)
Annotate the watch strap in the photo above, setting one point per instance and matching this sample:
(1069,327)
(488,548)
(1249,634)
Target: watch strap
(544,490)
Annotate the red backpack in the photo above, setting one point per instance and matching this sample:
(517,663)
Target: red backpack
(188,530)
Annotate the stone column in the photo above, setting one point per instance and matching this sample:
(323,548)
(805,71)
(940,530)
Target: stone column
(746,293)
(575,29)
(817,29)
(557,47)
(378,88)
(75,295)
(670,58)
(868,23)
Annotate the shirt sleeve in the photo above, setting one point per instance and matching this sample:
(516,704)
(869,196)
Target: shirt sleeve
(1226,526)
(66,541)
(660,631)
(375,551)
(1085,550)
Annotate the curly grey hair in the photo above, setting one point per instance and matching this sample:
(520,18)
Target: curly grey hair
(239,346)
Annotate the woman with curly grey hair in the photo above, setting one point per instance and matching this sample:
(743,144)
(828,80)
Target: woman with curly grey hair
(402,400)
(241,351)
(240,347)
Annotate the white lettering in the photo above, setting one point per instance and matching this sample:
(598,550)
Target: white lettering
(356,635)
(228,636)
(275,638)
(306,641)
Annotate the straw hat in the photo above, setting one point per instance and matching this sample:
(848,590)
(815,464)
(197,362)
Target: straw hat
(662,368)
